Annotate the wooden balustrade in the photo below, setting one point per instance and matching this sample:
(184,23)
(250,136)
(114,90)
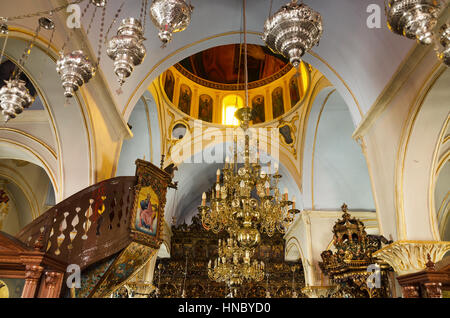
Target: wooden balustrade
(104,229)
(87,227)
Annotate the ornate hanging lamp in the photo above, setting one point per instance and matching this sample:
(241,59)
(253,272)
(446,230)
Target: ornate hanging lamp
(414,19)
(99,3)
(293,30)
(14,96)
(127,48)
(244,204)
(75,69)
(233,265)
(170,16)
(444,40)
(3,26)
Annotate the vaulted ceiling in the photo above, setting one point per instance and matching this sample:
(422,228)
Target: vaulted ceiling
(359,61)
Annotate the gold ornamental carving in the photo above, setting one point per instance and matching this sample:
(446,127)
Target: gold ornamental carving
(408,257)
(319,291)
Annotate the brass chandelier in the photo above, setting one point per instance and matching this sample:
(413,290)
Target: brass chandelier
(246,203)
(233,265)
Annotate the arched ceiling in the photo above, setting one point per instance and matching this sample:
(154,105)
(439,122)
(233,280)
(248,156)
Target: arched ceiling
(359,61)
(183,203)
(29,188)
(364,58)
(7,68)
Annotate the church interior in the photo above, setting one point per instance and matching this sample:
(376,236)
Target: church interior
(225,149)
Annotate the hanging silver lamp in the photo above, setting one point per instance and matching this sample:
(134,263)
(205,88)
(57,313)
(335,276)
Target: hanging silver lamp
(99,3)
(444,40)
(14,97)
(3,27)
(170,16)
(414,19)
(127,48)
(293,30)
(75,70)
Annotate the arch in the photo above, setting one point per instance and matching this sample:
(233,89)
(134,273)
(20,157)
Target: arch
(440,169)
(419,139)
(232,37)
(70,126)
(294,243)
(217,137)
(187,198)
(334,168)
(146,124)
(25,189)
(29,186)
(441,198)
(28,151)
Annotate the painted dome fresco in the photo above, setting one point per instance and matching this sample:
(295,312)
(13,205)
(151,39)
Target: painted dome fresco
(210,85)
(225,64)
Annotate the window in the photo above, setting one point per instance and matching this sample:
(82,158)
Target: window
(231,104)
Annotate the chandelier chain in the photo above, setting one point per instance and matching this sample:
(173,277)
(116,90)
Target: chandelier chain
(116,16)
(100,40)
(4,47)
(42,13)
(26,53)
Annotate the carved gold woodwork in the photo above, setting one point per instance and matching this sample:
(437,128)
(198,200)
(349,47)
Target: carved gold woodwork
(319,291)
(198,245)
(429,283)
(407,257)
(348,266)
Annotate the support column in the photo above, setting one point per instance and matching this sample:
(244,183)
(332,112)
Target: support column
(51,286)
(33,275)
(142,284)
(410,257)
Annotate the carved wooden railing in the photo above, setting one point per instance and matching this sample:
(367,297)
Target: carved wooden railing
(88,226)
